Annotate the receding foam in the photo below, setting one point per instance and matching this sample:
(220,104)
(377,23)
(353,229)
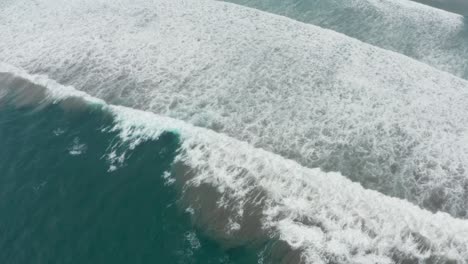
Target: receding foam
(322,217)
(308,94)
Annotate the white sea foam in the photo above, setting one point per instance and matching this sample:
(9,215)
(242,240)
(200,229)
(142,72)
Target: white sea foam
(324,216)
(77,148)
(430,35)
(309,94)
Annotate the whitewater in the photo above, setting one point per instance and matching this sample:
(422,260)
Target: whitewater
(344,144)
(320,98)
(323,217)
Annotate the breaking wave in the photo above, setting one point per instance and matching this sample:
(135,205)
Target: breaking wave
(239,195)
(308,94)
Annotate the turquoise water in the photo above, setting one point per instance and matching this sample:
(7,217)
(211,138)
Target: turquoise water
(59,203)
(265,132)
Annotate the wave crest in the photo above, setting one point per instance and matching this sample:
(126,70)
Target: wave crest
(242,195)
(318,97)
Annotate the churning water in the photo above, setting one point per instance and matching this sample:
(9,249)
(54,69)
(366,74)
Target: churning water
(198,131)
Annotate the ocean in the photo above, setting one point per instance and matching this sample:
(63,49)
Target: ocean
(62,201)
(199,131)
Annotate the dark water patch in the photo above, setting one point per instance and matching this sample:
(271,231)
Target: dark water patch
(455,6)
(67,197)
(59,203)
(217,213)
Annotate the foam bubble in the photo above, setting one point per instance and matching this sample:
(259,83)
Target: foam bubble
(77,148)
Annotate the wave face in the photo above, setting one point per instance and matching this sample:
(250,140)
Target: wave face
(429,35)
(256,206)
(63,201)
(317,97)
